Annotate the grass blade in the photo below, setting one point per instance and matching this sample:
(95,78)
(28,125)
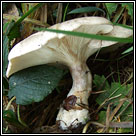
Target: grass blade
(128,50)
(28,13)
(15,30)
(122,25)
(86,35)
(65,12)
(85,10)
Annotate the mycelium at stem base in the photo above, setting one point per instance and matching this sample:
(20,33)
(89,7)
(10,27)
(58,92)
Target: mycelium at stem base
(73,111)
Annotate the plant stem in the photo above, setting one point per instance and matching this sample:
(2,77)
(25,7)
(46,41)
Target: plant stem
(9,103)
(19,119)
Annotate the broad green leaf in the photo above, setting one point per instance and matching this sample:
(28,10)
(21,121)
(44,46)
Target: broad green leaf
(34,84)
(101,82)
(116,90)
(128,50)
(85,10)
(86,35)
(111,7)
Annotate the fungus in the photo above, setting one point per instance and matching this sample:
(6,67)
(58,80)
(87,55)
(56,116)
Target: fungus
(47,47)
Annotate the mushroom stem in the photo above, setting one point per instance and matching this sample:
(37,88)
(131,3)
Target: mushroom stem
(72,113)
(82,81)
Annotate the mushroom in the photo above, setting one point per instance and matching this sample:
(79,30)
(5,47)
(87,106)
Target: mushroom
(47,47)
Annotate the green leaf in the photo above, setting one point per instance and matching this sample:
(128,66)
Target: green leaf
(14,33)
(100,82)
(9,113)
(33,84)
(128,50)
(86,35)
(102,117)
(129,111)
(10,117)
(85,10)
(129,6)
(5,82)
(6,28)
(116,90)
(111,7)
(5,54)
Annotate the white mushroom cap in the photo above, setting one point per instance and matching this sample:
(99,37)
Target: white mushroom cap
(47,47)
(119,32)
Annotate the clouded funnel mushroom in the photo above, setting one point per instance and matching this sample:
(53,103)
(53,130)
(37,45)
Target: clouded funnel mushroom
(47,47)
